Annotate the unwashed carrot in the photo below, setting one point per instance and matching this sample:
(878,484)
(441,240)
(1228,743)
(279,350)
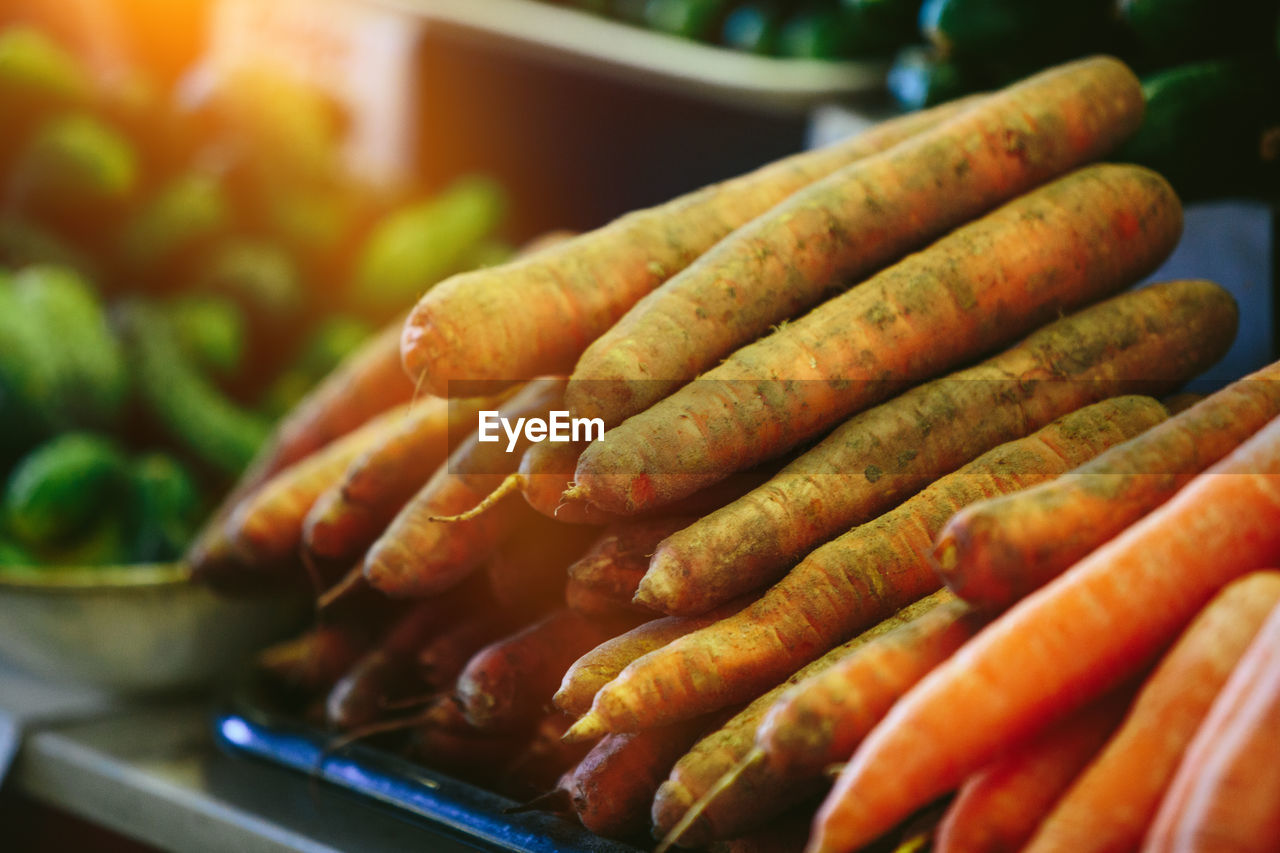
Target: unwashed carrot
(1226,794)
(543,761)
(1150,340)
(612,788)
(442,659)
(316,659)
(266,527)
(1111,805)
(1079,238)
(597,605)
(820,721)
(996,551)
(844,227)
(367,382)
(509,682)
(727,754)
(603,663)
(620,557)
(1063,645)
(853,581)
(347,518)
(484,462)
(550,306)
(999,807)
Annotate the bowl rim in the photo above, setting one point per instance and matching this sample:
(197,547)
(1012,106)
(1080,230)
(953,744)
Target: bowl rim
(73,579)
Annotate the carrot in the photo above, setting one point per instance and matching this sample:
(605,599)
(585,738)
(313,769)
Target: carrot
(347,518)
(996,551)
(603,663)
(598,605)
(528,571)
(266,527)
(612,788)
(1148,340)
(727,754)
(820,721)
(366,383)
(508,682)
(1111,805)
(388,670)
(1063,645)
(442,659)
(476,757)
(1081,237)
(315,660)
(484,463)
(545,472)
(543,760)
(550,306)
(853,581)
(999,807)
(416,556)
(620,557)
(847,225)
(1226,794)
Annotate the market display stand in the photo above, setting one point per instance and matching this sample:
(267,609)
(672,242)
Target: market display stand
(153,773)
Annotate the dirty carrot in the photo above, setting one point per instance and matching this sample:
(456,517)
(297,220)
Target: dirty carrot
(346,519)
(1149,340)
(729,752)
(1110,806)
(620,557)
(1079,238)
(1226,794)
(994,552)
(551,305)
(847,225)
(820,721)
(852,581)
(527,572)
(612,788)
(508,682)
(999,807)
(315,660)
(1087,630)
(266,526)
(603,663)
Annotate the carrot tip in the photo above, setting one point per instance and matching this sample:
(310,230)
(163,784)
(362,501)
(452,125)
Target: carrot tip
(589,727)
(574,493)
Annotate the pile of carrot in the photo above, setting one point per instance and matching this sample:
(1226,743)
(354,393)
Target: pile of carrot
(887,487)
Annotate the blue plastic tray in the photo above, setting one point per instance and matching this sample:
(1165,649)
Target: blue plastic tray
(480,817)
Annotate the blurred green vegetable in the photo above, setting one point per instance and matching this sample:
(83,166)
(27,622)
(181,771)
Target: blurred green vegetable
(55,492)
(211,331)
(260,276)
(167,508)
(37,73)
(75,160)
(184,215)
(753,27)
(919,79)
(414,247)
(1172,31)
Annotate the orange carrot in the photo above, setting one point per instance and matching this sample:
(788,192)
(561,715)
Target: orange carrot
(542,762)
(316,659)
(545,472)
(996,551)
(347,518)
(851,582)
(844,227)
(550,306)
(442,659)
(366,383)
(603,663)
(999,807)
(1080,238)
(484,463)
(613,786)
(508,682)
(266,527)
(820,721)
(1226,794)
(727,754)
(1064,645)
(1110,806)
(1150,341)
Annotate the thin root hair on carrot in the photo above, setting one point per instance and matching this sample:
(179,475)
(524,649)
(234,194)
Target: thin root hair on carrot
(513,483)
(691,815)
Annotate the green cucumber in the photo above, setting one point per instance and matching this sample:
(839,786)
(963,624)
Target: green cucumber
(1043,31)
(167,508)
(194,411)
(260,276)
(73,161)
(1173,31)
(59,489)
(1212,128)
(691,19)
(211,331)
(414,247)
(92,383)
(183,217)
(817,31)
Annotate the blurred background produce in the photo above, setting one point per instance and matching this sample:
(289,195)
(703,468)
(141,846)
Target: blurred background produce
(176,272)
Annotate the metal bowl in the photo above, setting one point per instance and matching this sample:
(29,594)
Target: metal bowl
(134,629)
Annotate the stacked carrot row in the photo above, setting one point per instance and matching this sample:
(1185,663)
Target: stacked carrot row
(859,403)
